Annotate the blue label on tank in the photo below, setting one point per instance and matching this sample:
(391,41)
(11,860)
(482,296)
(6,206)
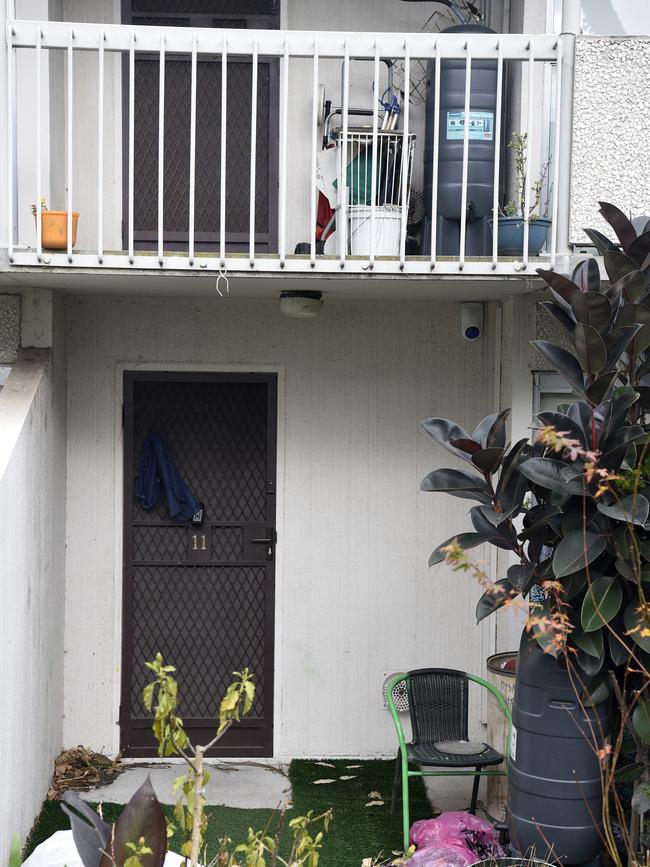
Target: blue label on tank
(481,125)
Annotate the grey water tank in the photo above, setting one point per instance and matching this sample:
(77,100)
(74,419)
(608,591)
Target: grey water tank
(451,119)
(554,774)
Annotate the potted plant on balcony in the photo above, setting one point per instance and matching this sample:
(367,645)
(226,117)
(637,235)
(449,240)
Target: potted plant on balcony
(572,505)
(513,216)
(54,227)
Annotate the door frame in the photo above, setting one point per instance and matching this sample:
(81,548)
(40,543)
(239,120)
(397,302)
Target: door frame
(119,525)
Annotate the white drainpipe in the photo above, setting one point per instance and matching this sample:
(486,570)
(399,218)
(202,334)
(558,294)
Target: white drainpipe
(570,27)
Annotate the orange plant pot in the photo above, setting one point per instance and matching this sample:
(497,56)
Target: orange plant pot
(54,229)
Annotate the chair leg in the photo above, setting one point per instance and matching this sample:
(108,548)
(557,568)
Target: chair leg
(396,782)
(406,822)
(477,781)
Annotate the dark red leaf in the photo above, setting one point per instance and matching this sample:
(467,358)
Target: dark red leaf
(625,231)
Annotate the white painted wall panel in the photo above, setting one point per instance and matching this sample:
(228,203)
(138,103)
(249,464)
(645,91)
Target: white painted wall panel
(354,594)
(32,510)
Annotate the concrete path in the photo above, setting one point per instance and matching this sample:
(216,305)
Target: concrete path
(247,785)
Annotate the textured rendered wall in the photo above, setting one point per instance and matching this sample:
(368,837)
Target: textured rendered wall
(611,127)
(9,328)
(32,512)
(355,597)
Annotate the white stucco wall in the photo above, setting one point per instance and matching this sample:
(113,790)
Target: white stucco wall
(32,506)
(354,595)
(612,77)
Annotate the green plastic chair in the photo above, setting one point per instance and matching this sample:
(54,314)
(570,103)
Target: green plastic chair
(438,706)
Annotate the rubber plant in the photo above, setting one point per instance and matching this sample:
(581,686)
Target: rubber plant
(138,838)
(572,504)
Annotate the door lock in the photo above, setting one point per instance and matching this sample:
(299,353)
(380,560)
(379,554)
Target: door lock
(268,540)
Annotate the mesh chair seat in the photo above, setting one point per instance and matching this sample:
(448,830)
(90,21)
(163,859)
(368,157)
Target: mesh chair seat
(426,753)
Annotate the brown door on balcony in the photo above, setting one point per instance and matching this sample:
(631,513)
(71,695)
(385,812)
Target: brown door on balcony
(202,595)
(207,13)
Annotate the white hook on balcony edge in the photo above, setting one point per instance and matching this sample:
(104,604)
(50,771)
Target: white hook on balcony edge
(222,276)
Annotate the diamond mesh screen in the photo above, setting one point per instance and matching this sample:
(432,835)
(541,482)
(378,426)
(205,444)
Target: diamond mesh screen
(208,147)
(216,435)
(208,622)
(207,613)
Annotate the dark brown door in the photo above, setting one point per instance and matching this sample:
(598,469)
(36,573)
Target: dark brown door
(207,189)
(201,595)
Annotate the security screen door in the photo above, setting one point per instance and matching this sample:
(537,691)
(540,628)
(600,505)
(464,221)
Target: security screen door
(176,173)
(201,595)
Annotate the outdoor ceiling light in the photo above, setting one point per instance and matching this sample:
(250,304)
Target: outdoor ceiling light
(301,305)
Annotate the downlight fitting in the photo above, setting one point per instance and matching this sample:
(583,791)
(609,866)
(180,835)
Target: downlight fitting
(301,305)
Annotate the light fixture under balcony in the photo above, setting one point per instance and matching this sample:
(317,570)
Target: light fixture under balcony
(301,305)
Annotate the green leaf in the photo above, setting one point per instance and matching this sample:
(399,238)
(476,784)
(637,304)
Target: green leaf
(567,365)
(591,308)
(15,859)
(641,720)
(597,690)
(641,800)
(590,348)
(619,652)
(577,550)
(602,602)
(574,583)
(493,599)
(636,626)
(591,642)
(465,540)
(632,509)
(629,773)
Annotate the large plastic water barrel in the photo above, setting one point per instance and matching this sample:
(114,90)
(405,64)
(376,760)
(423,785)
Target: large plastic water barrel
(451,110)
(554,772)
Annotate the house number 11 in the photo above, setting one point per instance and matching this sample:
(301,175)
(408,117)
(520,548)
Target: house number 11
(195,543)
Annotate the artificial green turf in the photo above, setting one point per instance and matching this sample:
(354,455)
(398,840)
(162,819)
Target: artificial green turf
(357,831)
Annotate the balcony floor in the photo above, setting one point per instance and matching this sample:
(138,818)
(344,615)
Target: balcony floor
(176,278)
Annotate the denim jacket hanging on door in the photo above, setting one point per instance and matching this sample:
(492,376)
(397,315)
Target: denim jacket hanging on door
(156,468)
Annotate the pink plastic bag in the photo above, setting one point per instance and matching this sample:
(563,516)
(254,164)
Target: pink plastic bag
(441,856)
(465,836)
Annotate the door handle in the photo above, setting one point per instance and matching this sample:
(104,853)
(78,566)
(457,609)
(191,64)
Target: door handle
(267,540)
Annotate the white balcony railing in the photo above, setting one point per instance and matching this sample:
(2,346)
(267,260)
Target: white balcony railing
(293,168)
